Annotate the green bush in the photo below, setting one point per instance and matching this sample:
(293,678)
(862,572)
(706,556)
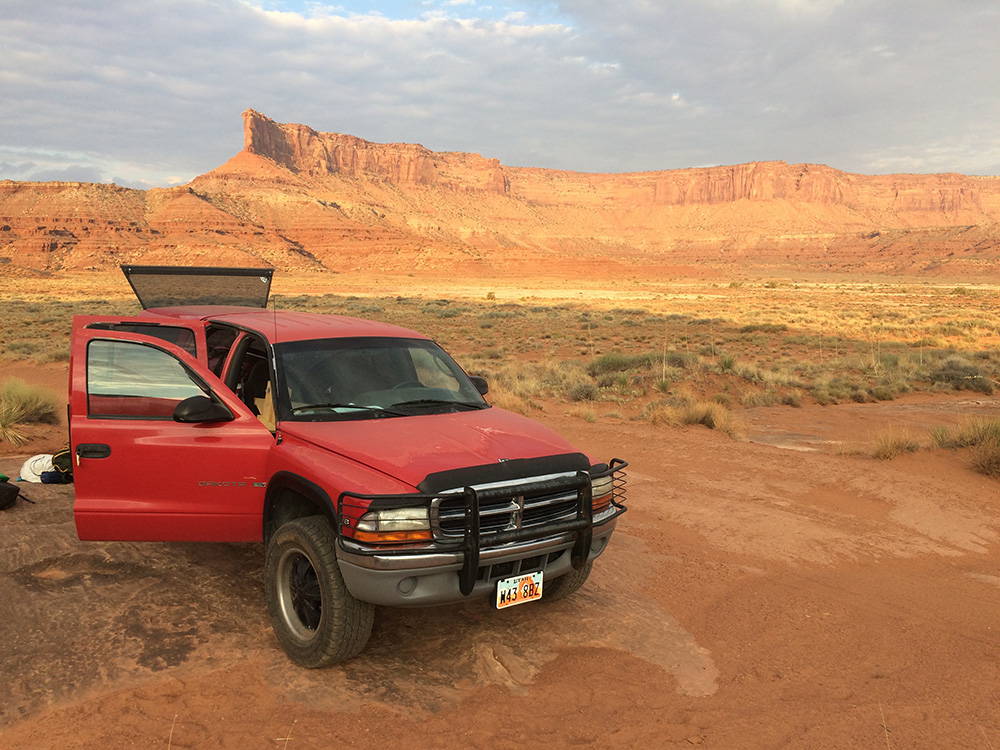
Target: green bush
(617,362)
(962,375)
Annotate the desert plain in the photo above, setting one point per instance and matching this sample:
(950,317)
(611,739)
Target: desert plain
(802,371)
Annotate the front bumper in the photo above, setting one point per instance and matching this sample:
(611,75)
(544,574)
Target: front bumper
(429,579)
(467,562)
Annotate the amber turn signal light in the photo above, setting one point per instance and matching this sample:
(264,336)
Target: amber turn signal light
(388,537)
(600,503)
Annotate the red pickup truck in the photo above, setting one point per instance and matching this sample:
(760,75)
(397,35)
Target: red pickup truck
(360,453)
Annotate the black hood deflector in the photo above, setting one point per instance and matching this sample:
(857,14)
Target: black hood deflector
(503,471)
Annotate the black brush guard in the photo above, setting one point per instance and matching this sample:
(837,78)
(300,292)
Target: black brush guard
(473,538)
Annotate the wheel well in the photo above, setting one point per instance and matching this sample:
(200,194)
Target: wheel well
(287,501)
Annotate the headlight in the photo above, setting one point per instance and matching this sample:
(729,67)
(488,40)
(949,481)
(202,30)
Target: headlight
(408,524)
(600,490)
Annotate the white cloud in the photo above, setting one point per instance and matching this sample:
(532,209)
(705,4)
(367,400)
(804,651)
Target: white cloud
(152,92)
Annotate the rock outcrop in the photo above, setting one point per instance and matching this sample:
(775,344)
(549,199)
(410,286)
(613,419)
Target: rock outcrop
(302,150)
(301,199)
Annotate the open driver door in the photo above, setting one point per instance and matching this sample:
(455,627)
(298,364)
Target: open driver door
(142,475)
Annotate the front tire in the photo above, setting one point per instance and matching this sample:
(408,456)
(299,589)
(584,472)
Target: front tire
(566,584)
(314,616)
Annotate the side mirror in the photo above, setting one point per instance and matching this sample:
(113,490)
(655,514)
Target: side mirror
(201,409)
(481,385)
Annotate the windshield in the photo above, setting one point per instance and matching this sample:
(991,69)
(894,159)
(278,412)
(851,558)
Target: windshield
(369,378)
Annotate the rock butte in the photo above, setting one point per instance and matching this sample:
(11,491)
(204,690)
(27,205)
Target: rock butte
(298,199)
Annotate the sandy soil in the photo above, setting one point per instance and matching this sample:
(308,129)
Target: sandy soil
(754,596)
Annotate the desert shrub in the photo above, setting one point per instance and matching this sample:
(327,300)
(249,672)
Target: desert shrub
(505,398)
(617,362)
(366,309)
(11,415)
(883,393)
(941,436)
(962,375)
(972,433)
(582,392)
(823,396)
(35,403)
(764,328)
(587,415)
(629,311)
(711,414)
(759,398)
(894,443)
(23,348)
(792,399)
(680,360)
(986,458)
(750,373)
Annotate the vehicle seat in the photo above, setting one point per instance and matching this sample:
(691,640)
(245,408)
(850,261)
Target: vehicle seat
(255,384)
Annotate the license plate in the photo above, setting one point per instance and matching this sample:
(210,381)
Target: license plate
(520,589)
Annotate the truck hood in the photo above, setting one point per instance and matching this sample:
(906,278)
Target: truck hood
(410,448)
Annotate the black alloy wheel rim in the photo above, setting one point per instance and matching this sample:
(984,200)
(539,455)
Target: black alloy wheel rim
(306,597)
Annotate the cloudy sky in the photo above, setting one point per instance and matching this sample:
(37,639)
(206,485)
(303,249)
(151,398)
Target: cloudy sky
(149,92)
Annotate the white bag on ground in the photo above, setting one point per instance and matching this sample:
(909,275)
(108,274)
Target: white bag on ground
(34,466)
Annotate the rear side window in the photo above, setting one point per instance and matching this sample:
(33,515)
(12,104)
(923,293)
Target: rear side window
(129,380)
(180,337)
(219,340)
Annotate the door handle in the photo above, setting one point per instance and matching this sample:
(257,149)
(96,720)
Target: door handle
(93,450)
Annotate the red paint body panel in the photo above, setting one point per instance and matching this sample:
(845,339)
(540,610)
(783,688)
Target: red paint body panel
(282,325)
(410,448)
(166,480)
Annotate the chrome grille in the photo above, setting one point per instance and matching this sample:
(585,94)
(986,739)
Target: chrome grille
(513,512)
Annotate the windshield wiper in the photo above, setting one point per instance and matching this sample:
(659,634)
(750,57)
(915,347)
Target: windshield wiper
(439,402)
(360,407)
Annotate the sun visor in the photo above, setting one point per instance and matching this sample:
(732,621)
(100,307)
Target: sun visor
(179,286)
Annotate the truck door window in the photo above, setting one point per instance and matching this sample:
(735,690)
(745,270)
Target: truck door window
(180,337)
(219,340)
(128,380)
(252,381)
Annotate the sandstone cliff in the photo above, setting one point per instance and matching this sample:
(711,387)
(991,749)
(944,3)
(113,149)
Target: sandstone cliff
(298,198)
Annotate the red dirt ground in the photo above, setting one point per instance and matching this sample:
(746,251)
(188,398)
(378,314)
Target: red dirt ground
(753,597)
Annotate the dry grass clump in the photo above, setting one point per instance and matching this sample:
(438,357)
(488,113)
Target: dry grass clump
(972,433)
(505,398)
(21,403)
(982,436)
(986,458)
(587,415)
(685,410)
(893,443)
(11,415)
